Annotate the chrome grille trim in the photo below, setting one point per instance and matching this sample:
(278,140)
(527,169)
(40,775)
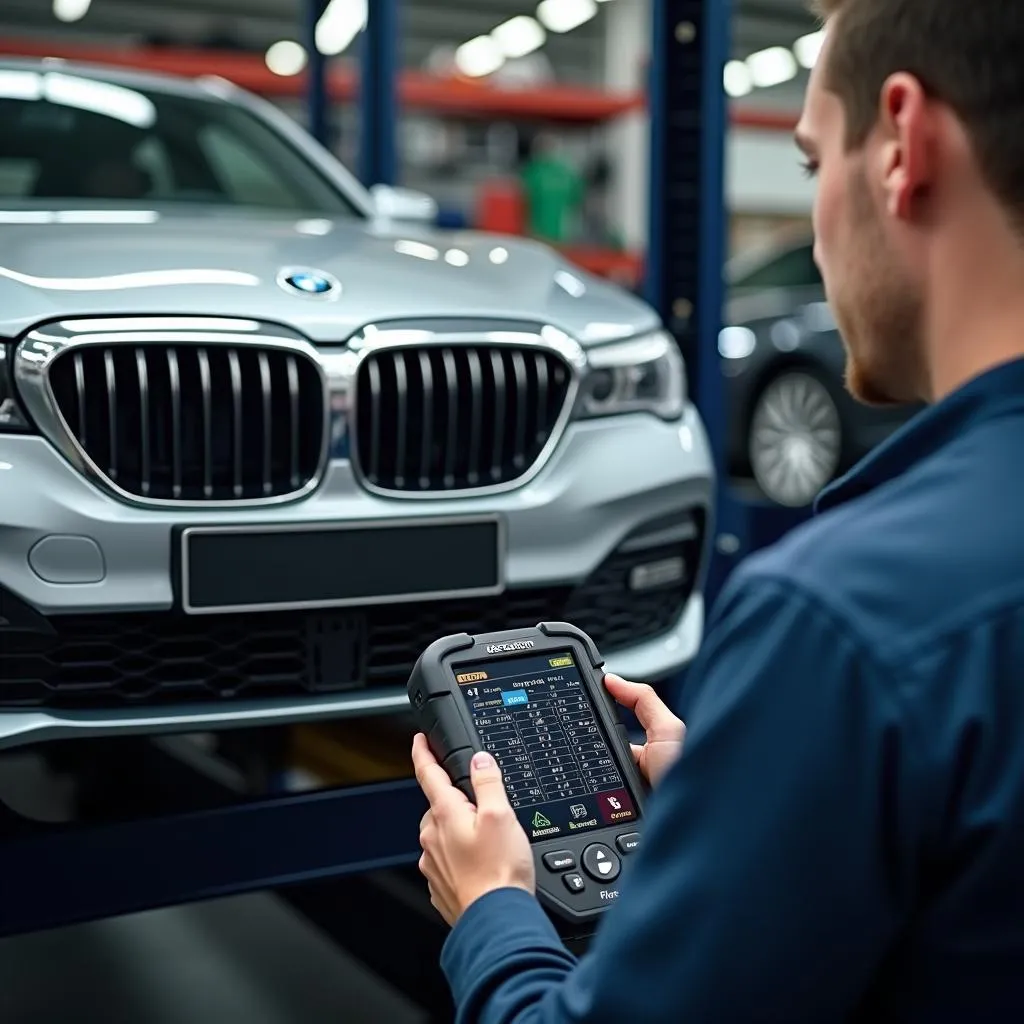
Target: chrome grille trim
(195,340)
(475,354)
(339,366)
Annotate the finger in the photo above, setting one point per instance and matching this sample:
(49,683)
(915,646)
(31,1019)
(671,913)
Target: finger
(488,786)
(433,779)
(650,710)
(425,821)
(428,838)
(638,750)
(439,904)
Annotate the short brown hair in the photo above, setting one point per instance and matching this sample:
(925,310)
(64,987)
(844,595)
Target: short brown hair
(968,54)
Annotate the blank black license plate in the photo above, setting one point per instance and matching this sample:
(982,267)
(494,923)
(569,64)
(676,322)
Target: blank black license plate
(234,569)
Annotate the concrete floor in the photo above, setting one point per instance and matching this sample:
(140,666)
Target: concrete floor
(247,960)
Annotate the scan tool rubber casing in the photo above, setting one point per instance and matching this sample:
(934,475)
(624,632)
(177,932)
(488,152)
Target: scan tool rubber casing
(569,865)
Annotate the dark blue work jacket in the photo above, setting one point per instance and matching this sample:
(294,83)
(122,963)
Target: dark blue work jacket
(843,836)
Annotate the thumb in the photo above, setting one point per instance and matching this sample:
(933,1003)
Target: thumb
(488,785)
(651,711)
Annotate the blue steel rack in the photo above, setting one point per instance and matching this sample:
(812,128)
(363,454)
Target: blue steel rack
(687,231)
(346,856)
(686,214)
(316,85)
(378,93)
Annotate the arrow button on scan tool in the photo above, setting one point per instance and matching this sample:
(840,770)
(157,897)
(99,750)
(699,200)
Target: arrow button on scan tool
(601,863)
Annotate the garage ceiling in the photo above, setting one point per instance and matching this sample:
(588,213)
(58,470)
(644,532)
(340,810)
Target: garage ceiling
(427,24)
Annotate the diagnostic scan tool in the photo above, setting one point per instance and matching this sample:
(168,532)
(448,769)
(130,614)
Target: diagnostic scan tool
(535,699)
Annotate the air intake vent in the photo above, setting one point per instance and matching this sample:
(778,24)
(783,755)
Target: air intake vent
(194,423)
(456,418)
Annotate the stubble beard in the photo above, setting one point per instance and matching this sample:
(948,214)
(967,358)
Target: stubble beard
(878,312)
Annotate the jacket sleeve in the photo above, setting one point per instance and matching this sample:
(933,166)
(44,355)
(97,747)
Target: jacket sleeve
(774,870)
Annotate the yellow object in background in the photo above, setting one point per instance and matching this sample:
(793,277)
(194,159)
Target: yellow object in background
(351,752)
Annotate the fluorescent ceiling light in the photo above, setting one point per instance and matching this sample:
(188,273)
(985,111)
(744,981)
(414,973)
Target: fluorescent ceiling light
(737,79)
(771,67)
(286,57)
(519,36)
(565,15)
(479,57)
(808,48)
(71,10)
(339,25)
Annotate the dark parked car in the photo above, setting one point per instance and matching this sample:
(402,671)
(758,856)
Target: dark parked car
(793,426)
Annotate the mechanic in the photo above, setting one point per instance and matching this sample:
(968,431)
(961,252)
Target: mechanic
(842,837)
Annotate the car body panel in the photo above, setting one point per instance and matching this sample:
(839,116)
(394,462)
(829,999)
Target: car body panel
(545,543)
(226,263)
(605,484)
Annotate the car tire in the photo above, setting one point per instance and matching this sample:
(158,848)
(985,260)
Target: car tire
(795,438)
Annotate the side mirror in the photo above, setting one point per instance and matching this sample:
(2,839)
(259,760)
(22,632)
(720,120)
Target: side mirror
(403,204)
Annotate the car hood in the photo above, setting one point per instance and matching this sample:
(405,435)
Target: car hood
(214,263)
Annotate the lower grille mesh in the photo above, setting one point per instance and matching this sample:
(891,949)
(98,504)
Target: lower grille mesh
(152,659)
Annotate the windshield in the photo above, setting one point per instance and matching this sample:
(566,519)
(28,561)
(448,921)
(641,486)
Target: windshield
(65,137)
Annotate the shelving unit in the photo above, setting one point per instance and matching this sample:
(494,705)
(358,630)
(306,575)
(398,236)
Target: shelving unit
(569,107)
(558,104)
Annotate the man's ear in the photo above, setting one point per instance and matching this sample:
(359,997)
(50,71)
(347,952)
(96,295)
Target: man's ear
(905,153)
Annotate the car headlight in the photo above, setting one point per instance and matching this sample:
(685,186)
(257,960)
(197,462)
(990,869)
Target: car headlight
(12,418)
(645,374)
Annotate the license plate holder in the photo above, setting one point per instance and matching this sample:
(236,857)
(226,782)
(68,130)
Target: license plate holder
(280,567)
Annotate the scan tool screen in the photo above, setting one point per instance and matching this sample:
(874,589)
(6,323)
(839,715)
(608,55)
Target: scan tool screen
(534,715)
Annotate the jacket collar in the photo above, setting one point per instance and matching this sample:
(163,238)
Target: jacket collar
(993,393)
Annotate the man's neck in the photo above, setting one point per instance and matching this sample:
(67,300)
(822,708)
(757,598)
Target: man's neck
(976,309)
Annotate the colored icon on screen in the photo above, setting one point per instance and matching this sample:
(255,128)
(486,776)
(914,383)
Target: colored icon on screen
(539,821)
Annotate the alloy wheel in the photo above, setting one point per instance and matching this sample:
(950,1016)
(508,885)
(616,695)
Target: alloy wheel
(795,440)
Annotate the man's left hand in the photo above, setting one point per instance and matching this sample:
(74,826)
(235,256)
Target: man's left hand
(469,850)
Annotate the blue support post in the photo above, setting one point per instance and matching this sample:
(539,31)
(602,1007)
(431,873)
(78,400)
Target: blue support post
(316,75)
(688,113)
(379,94)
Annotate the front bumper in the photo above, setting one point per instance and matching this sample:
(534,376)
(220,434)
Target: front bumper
(573,532)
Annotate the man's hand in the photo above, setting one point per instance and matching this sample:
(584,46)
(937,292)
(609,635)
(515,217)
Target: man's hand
(665,732)
(468,850)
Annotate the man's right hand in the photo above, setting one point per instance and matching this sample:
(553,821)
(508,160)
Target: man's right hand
(665,732)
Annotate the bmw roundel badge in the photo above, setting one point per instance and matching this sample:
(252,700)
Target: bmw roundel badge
(316,284)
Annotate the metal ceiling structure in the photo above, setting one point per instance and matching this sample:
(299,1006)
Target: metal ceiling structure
(427,25)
